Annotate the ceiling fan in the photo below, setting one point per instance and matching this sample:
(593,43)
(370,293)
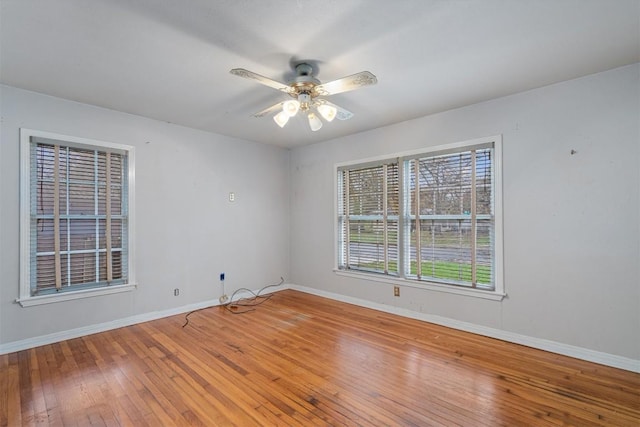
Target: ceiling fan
(306,90)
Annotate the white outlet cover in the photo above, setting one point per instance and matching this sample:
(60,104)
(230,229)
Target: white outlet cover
(232,196)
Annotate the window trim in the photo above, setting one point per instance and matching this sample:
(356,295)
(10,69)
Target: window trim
(26,299)
(498,293)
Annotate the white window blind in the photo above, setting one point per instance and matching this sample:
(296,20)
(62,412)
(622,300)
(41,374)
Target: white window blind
(426,217)
(77,216)
(450,218)
(368,218)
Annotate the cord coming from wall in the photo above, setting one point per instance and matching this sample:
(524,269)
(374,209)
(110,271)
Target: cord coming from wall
(232,306)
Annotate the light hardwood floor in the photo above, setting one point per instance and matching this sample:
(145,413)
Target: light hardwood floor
(300,359)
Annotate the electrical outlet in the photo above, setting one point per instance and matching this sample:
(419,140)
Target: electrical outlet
(222,277)
(176,292)
(396,291)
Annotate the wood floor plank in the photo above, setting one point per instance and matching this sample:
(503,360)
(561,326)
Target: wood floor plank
(4,389)
(12,393)
(302,360)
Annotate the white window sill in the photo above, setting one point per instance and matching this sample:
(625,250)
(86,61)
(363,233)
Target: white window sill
(451,289)
(68,296)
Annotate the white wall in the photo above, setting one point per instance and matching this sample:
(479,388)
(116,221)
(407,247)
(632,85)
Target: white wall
(187,230)
(571,222)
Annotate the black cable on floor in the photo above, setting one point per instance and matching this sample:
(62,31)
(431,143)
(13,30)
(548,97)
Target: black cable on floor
(232,306)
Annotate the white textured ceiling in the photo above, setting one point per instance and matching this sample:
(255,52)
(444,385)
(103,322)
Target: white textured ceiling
(170,60)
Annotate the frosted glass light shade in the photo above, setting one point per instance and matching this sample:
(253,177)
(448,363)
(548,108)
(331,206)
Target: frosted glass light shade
(328,112)
(281,118)
(291,107)
(314,122)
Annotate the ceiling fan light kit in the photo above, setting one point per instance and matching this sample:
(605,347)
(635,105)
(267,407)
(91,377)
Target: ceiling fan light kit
(314,122)
(327,112)
(306,91)
(291,107)
(281,118)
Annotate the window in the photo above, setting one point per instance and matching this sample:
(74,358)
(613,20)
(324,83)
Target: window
(427,218)
(368,218)
(76,217)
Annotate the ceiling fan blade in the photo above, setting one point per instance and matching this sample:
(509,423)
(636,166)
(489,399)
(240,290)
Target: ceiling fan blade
(341,113)
(269,110)
(241,72)
(345,84)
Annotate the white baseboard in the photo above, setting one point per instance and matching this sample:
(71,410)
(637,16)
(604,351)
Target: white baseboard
(541,344)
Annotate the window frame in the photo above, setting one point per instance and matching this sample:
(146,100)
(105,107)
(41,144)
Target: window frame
(498,293)
(26,139)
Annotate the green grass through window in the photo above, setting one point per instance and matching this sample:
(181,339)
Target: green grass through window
(439,270)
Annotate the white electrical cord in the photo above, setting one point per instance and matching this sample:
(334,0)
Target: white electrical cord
(224,298)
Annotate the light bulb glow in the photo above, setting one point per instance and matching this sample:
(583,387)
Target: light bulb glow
(314,122)
(281,118)
(291,107)
(328,112)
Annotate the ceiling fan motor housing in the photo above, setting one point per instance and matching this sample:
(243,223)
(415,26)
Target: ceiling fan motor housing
(304,82)
(304,69)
